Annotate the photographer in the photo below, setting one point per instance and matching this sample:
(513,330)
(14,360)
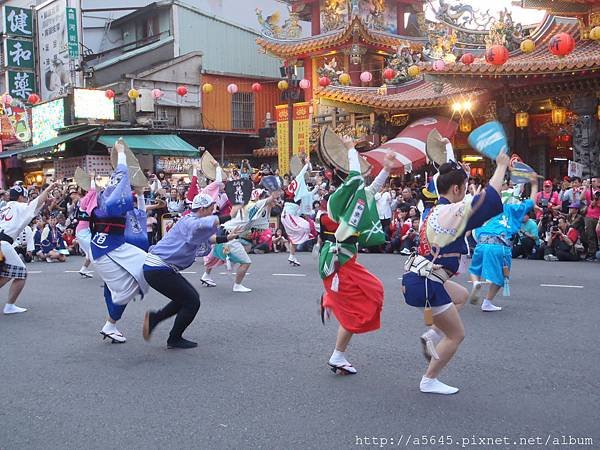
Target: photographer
(561,244)
(410,240)
(527,240)
(547,201)
(592,214)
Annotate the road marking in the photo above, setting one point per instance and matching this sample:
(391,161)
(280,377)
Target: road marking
(77,271)
(562,286)
(188,272)
(288,275)
(34,271)
(232,273)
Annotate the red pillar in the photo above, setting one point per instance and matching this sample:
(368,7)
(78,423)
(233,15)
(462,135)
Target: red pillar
(401,9)
(315,19)
(308,68)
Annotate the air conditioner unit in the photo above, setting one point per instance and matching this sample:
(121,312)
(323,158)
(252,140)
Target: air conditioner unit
(145,102)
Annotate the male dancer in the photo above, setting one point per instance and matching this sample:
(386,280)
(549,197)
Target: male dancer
(14,217)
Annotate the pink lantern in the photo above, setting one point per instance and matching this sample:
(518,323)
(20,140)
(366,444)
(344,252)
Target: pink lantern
(6,99)
(305,84)
(156,94)
(256,87)
(366,77)
(439,65)
(232,88)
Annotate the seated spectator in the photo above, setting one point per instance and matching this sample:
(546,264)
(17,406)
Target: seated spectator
(280,243)
(71,243)
(561,244)
(262,241)
(398,228)
(575,218)
(52,242)
(527,240)
(410,240)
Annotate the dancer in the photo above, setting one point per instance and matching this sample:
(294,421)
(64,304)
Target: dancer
(352,293)
(427,284)
(492,258)
(192,235)
(14,217)
(117,261)
(82,230)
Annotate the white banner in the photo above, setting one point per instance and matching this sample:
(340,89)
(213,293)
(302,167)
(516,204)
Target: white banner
(55,74)
(575,169)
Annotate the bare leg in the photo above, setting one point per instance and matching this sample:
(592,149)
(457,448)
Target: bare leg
(343,339)
(457,293)
(15,289)
(292,249)
(451,325)
(3,281)
(241,273)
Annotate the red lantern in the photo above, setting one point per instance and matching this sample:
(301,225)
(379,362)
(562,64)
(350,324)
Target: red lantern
(182,90)
(256,87)
(324,81)
(561,44)
(33,99)
(496,55)
(467,58)
(389,73)
(109,94)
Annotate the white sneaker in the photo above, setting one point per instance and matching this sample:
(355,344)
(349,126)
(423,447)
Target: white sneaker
(241,288)
(489,306)
(435,386)
(476,291)
(9,308)
(550,258)
(428,345)
(207,281)
(405,252)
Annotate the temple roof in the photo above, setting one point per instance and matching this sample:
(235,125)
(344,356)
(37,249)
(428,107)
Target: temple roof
(418,94)
(334,39)
(574,7)
(585,56)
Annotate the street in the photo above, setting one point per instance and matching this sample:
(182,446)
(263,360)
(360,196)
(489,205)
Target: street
(259,378)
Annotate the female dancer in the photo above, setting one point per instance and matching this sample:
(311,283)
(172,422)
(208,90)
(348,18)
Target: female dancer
(352,293)
(82,231)
(428,283)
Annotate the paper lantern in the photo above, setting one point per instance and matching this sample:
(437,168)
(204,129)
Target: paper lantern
(595,33)
(156,94)
(559,116)
(256,87)
(413,71)
(133,94)
(6,99)
(561,44)
(282,85)
(33,99)
(438,65)
(465,125)
(527,46)
(366,77)
(496,55)
(182,90)
(232,88)
(324,81)
(207,88)
(449,58)
(304,84)
(522,119)
(389,73)
(467,59)
(109,94)
(345,79)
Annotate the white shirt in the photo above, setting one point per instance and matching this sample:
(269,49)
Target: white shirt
(15,216)
(26,238)
(384,205)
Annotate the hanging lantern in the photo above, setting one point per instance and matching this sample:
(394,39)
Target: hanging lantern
(182,91)
(156,94)
(496,55)
(559,116)
(133,94)
(304,83)
(413,71)
(598,112)
(109,94)
(366,77)
(7,99)
(324,81)
(467,59)
(256,87)
(527,46)
(282,85)
(561,44)
(595,33)
(232,88)
(465,125)
(345,79)
(33,99)
(207,88)
(449,58)
(389,74)
(438,65)
(522,119)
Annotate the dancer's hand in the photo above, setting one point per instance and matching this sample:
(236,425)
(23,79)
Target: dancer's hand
(348,142)
(120,146)
(389,161)
(503,160)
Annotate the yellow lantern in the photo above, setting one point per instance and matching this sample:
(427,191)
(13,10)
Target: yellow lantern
(527,46)
(133,94)
(414,71)
(345,79)
(449,58)
(282,85)
(522,119)
(207,88)
(595,33)
(465,125)
(559,116)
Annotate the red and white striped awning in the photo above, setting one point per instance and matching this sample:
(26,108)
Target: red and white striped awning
(409,146)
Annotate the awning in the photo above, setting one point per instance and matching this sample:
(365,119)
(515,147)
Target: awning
(154,144)
(47,147)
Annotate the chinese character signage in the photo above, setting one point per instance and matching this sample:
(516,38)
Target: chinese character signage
(18,53)
(20,84)
(301,128)
(283,155)
(18,22)
(72,33)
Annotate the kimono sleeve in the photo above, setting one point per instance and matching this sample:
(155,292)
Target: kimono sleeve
(487,206)
(116,199)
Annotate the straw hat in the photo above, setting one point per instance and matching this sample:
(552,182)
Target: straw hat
(335,153)
(136,176)
(436,147)
(82,179)
(207,165)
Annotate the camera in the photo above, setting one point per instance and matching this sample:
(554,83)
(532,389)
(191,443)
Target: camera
(554,229)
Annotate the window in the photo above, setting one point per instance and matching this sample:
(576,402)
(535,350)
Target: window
(242,111)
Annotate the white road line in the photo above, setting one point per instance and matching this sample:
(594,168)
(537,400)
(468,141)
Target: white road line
(76,271)
(562,286)
(232,273)
(34,271)
(187,272)
(288,275)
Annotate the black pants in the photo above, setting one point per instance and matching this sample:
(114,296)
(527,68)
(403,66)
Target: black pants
(185,301)
(523,248)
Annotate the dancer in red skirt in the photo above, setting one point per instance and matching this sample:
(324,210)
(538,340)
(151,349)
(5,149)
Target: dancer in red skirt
(352,293)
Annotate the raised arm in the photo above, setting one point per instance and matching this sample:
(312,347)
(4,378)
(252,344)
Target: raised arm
(497,179)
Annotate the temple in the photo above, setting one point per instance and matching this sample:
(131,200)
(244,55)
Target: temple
(377,66)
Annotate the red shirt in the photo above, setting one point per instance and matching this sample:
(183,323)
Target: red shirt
(68,238)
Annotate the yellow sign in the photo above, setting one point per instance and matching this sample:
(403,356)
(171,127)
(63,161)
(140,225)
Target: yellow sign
(302,128)
(283,156)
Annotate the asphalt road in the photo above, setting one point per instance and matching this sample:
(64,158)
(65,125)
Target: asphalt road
(259,378)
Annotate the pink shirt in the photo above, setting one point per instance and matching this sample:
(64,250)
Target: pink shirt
(87,204)
(593,210)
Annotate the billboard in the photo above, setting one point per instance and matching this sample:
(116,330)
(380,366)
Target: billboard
(46,119)
(93,104)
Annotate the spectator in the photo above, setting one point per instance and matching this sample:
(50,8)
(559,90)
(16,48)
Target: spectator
(571,195)
(410,240)
(52,242)
(61,223)
(262,241)
(575,218)
(527,240)
(561,245)
(592,214)
(24,244)
(151,226)
(398,228)
(408,198)
(71,243)
(383,201)
(546,200)
(280,243)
